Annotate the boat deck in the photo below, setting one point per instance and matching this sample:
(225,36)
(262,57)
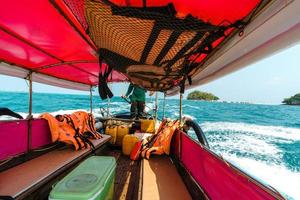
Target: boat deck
(134,179)
(43,170)
(161,180)
(147,179)
(127,176)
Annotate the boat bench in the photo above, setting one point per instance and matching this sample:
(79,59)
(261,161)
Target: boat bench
(12,129)
(161,180)
(22,180)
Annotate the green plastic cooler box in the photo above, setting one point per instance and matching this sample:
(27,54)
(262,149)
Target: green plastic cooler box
(93,179)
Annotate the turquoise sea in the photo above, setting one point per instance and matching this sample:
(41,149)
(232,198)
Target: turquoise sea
(263,140)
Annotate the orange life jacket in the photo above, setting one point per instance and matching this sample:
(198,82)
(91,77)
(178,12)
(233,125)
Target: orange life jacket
(78,123)
(64,132)
(85,122)
(160,143)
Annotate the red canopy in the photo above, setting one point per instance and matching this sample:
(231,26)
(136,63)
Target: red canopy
(46,37)
(214,11)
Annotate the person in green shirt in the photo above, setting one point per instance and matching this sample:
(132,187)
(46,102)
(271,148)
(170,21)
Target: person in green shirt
(137,98)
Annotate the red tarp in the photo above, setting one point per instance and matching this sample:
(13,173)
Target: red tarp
(36,34)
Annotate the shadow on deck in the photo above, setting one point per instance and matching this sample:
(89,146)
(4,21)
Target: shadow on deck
(127,176)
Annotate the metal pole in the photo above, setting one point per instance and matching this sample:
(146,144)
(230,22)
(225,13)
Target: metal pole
(156,105)
(164,105)
(108,100)
(108,103)
(30,96)
(180,121)
(180,107)
(91,100)
(29,117)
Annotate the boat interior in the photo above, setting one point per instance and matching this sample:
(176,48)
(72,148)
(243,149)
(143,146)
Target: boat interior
(32,171)
(164,46)
(47,163)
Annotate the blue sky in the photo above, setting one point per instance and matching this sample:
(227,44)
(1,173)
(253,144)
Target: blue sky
(267,81)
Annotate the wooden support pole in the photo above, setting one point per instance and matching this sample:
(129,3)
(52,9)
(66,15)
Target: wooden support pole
(91,100)
(180,120)
(108,105)
(164,105)
(156,106)
(180,107)
(29,117)
(30,96)
(108,101)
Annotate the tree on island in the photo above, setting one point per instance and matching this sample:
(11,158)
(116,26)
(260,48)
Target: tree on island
(198,95)
(293,100)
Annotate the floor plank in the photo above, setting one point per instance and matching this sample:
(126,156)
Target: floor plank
(127,176)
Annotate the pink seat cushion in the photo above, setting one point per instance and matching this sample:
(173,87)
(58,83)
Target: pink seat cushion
(14,136)
(41,135)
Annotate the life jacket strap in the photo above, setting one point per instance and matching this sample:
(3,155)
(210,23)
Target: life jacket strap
(91,128)
(77,141)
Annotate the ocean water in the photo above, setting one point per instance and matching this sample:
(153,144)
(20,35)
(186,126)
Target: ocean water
(263,140)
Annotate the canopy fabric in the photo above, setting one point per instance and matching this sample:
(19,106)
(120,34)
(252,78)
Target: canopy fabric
(53,38)
(35,36)
(153,52)
(158,44)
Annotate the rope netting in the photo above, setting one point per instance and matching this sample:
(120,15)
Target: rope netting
(153,47)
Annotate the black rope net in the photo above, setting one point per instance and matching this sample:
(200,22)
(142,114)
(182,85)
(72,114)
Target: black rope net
(150,45)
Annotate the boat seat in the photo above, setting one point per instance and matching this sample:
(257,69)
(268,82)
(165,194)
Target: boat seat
(162,181)
(19,181)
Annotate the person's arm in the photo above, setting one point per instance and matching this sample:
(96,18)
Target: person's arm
(130,88)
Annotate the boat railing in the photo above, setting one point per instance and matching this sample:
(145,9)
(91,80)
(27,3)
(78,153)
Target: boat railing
(196,130)
(210,171)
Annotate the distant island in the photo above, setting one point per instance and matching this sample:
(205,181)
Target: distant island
(293,100)
(198,95)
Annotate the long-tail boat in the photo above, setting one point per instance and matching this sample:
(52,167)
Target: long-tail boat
(165,46)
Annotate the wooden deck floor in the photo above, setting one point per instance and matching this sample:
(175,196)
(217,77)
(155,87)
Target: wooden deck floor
(126,180)
(127,176)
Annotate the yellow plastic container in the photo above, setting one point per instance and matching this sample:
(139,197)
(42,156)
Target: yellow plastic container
(147,125)
(129,142)
(121,132)
(112,131)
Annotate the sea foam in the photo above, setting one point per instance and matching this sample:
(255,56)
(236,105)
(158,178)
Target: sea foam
(272,131)
(254,149)
(280,177)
